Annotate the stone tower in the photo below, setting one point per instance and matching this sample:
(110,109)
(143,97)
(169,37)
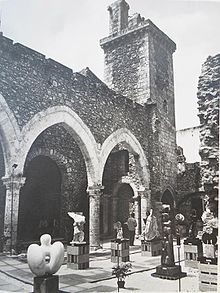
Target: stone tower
(138,60)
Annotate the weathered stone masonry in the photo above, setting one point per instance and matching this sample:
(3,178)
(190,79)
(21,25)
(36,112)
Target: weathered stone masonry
(208,105)
(45,106)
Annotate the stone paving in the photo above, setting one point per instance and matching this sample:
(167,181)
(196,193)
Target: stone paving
(15,275)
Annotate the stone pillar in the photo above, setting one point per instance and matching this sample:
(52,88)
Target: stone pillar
(145,205)
(137,215)
(13,185)
(94,193)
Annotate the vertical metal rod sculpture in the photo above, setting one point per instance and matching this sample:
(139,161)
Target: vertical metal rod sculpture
(12,204)
(178,250)
(118,261)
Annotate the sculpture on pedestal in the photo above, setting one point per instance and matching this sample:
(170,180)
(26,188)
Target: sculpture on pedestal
(168,269)
(210,230)
(45,259)
(118,230)
(78,225)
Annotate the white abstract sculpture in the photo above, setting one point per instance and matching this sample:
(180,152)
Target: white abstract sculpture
(45,259)
(79,221)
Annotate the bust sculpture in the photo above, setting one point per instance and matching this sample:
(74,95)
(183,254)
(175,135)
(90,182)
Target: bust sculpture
(47,258)
(78,225)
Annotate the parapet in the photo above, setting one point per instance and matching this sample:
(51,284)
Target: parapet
(21,53)
(122,25)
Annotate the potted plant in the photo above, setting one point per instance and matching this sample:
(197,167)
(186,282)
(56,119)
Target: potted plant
(120,271)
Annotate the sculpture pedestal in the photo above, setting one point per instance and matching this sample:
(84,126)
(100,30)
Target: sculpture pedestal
(208,274)
(192,252)
(46,284)
(169,273)
(152,247)
(78,256)
(119,250)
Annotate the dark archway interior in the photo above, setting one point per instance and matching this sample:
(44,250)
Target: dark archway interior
(40,200)
(2,198)
(117,165)
(59,146)
(167,198)
(125,202)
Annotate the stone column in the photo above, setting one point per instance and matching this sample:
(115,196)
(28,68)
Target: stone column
(94,193)
(137,215)
(145,205)
(13,185)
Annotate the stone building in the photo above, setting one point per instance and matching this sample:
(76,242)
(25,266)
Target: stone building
(69,142)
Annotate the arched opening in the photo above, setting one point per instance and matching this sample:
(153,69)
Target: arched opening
(167,198)
(117,165)
(55,151)
(2,198)
(40,200)
(123,163)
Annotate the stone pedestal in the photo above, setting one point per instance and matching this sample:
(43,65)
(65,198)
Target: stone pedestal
(169,273)
(192,252)
(208,275)
(152,247)
(120,250)
(46,284)
(78,256)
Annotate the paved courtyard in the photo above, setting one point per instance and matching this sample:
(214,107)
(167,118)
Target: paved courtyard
(15,275)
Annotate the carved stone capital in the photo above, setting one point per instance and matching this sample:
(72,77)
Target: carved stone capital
(95,190)
(16,181)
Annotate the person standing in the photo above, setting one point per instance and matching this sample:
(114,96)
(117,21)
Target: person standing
(132,224)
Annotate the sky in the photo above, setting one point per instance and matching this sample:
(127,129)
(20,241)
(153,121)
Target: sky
(69,32)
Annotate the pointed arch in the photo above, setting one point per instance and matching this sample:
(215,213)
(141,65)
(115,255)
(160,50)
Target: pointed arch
(9,134)
(125,135)
(74,124)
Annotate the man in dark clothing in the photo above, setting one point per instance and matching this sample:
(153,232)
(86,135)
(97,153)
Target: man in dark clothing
(132,224)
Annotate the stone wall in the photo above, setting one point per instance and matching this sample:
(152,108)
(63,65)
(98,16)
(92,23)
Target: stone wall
(208,105)
(31,83)
(188,182)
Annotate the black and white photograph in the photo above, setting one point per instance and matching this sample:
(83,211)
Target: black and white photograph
(109,146)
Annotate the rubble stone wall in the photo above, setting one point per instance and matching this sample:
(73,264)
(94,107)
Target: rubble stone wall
(208,105)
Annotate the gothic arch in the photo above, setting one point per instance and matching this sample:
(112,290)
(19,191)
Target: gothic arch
(74,124)
(9,134)
(168,192)
(125,135)
(124,181)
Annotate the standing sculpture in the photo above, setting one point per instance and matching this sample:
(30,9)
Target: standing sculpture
(168,269)
(78,225)
(45,260)
(210,230)
(78,250)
